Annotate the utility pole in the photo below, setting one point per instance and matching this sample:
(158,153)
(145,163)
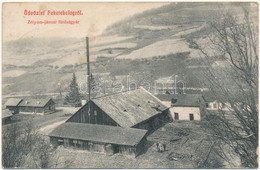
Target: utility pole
(88,69)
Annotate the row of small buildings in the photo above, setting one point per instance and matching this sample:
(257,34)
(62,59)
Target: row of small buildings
(30,105)
(117,123)
(120,123)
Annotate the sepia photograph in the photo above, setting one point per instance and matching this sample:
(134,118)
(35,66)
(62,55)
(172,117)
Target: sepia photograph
(130,85)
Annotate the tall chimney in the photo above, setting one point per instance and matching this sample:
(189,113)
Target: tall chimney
(88,69)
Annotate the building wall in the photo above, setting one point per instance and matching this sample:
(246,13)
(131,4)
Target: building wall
(154,122)
(48,108)
(141,146)
(6,120)
(94,116)
(215,105)
(127,150)
(15,109)
(184,112)
(96,146)
(28,109)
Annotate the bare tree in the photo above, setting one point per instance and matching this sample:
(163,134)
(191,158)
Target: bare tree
(24,147)
(235,40)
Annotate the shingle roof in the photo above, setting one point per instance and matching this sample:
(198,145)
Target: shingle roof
(99,133)
(182,99)
(130,108)
(209,96)
(13,102)
(35,102)
(6,113)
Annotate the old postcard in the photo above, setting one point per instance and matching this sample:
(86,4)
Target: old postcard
(130,85)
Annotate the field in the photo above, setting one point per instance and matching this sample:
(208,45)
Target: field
(169,46)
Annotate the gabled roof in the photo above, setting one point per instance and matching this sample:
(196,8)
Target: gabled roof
(13,102)
(131,107)
(99,133)
(35,102)
(192,100)
(209,96)
(6,113)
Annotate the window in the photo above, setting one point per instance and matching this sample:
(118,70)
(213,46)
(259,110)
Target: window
(95,115)
(191,116)
(176,116)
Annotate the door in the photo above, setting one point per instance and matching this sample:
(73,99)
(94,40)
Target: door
(191,116)
(115,148)
(176,116)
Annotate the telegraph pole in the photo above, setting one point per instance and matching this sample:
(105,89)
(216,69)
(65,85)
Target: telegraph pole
(88,69)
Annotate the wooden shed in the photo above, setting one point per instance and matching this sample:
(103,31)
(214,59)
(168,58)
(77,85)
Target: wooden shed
(6,116)
(37,105)
(99,138)
(137,108)
(13,105)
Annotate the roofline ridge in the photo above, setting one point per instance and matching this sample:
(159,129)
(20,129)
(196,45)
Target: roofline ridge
(153,96)
(117,93)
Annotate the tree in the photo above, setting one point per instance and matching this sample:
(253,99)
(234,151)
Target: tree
(73,96)
(24,147)
(236,41)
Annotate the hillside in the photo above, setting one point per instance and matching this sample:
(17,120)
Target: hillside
(150,42)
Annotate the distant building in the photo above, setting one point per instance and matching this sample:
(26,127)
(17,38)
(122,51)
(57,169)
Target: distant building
(185,106)
(99,138)
(113,123)
(6,116)
(137,108)
(165,84)
(37,105)
(12,105)
(214,104)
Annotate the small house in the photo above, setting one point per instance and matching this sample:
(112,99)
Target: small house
(13,104)
(37,105)
(214,104)
(6,116)
(99,138)
(185,106)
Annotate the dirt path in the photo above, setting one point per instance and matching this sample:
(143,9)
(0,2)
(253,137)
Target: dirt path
(47,129)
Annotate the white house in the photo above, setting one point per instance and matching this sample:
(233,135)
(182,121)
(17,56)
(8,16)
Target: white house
(185,106)
(214,104)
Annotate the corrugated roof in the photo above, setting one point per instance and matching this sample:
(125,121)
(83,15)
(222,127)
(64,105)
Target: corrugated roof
(182,99)
(131,107)
(99,133)
(35,102)
(6,113)
(13,102)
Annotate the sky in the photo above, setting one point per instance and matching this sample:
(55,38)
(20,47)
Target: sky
(96,17)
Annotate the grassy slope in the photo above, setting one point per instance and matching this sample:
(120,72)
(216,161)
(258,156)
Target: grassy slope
(45,54)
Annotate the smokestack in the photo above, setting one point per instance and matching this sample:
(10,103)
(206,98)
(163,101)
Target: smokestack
(88,69)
